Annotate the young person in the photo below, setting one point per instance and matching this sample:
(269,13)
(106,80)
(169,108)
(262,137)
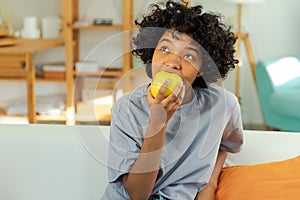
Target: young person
(174,147)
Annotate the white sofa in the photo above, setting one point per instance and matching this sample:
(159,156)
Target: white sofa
(58,162)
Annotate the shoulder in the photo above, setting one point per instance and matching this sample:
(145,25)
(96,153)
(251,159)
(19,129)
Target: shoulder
(216,95)
(133,102)
(130,113)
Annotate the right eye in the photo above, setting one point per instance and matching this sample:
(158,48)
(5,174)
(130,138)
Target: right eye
(165,49)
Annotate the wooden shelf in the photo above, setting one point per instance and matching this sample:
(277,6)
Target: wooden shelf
(31,46)
(106,73)
(80,118)
(23,119)
(4,118)
(100,27)
(41,79)
(71,32)
(22,79)
(2,111)
(61,118)
(16,64)
(17,61)
(12,78)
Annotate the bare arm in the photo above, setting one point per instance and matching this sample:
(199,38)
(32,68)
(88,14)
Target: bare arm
(140,180)
(208,193)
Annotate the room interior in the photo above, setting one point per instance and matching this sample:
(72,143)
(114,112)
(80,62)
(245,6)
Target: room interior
(59,149)
(277,41)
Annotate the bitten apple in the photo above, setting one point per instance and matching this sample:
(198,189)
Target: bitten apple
(160,78)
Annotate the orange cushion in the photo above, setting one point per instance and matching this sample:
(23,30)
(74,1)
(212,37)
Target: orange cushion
(274,181)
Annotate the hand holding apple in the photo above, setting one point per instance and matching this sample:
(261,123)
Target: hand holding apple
(160,78)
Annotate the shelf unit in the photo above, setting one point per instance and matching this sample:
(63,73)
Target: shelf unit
(70,11)
(16,64)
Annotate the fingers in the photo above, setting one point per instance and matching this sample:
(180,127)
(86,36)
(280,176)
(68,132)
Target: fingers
(160,95)
(176,97)
(171,103)
(181,94)
(179,91)
(163,88)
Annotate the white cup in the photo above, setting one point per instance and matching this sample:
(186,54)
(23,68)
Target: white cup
(30,28)
(51,26)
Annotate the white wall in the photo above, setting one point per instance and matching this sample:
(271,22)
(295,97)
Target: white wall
(274,29)
(273,26)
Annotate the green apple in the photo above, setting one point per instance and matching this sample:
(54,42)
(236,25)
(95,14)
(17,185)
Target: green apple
(160,78)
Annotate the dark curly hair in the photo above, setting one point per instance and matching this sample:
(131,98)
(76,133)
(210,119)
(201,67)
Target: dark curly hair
(205,28)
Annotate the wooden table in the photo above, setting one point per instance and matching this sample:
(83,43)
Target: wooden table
(17,62)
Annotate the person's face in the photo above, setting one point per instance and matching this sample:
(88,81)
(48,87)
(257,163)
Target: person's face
(177,53)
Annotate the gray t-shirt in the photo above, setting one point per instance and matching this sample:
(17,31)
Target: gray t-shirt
(194,135)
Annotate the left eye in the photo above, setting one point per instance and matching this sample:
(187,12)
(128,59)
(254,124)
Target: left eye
(189,57)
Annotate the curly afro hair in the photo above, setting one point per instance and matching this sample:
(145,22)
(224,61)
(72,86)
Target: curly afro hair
(216,38)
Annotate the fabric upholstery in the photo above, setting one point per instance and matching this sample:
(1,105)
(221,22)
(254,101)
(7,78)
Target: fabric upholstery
(274,180)
(278,86)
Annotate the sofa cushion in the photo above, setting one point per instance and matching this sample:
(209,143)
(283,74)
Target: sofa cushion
(273,180)
(286,102)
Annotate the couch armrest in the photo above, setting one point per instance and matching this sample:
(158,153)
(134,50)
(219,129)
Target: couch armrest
(265,146)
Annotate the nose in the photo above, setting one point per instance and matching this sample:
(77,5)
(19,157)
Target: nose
(173,61)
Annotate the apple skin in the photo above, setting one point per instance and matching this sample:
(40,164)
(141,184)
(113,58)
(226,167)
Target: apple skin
(160,78)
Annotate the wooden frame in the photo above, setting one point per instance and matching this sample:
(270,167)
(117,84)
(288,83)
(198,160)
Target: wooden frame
(17,62)
(70,12)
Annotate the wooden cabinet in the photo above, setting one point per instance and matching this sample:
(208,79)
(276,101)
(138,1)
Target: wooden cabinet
(71,34)
(16,63)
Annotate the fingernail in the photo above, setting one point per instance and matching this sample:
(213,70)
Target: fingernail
(167,81)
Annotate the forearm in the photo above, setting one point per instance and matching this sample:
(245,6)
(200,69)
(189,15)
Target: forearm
(208,192)
(213,182)
(140,180)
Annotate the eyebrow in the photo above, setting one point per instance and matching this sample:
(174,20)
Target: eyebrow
(165,40)
(189,48)
(195,50)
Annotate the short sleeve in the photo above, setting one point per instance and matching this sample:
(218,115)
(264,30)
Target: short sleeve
(232,138)
(124,145)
